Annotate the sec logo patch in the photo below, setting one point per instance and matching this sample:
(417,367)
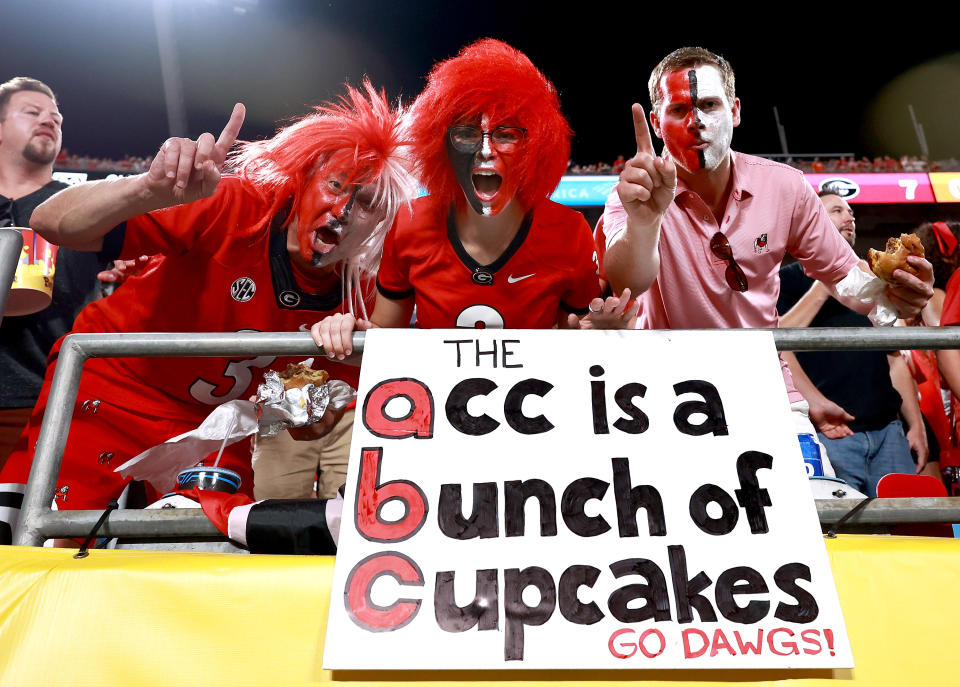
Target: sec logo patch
(242,289)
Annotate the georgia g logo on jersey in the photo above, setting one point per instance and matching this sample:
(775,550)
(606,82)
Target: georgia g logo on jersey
(242,289)
(479,317)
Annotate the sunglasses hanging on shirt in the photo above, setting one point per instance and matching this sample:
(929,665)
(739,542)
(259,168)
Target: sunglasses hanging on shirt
(736,279)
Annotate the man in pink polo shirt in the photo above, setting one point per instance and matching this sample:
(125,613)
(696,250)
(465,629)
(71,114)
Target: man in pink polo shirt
(700,231)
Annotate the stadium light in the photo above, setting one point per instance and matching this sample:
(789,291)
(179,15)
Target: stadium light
(170,68)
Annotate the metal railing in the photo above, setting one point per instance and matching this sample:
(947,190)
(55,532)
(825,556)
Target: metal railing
(38,521)
(11,242)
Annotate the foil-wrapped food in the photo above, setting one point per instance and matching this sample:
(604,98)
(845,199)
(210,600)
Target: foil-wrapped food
(295,397)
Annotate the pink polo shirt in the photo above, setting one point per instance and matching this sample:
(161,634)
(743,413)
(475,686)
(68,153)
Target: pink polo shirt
(771,212)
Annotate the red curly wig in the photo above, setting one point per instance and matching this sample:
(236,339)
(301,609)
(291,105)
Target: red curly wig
(490,77)
(359,135)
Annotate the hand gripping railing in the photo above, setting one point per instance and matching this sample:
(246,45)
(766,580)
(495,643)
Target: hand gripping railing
(38,521)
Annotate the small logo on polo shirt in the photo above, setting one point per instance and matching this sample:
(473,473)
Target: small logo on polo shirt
(242,289)
(760,244)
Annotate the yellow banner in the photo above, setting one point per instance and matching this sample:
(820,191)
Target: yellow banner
(946,186)
(136,618)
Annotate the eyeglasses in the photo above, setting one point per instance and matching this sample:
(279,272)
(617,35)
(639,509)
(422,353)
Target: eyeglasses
(469,139)
(6,214)
(734,275)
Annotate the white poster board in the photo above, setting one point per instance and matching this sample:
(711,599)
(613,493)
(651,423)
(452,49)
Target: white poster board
(557,499)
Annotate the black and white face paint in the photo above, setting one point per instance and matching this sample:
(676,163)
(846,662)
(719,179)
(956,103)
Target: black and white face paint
(696,117)
(485,171)
(335,218)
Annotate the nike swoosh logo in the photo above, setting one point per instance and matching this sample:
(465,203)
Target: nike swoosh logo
(513,280)
(304,328)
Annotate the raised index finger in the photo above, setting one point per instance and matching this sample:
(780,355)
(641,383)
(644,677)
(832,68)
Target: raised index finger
(230,132)
(641,130)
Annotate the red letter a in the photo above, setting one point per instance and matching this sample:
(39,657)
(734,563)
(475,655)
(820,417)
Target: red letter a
(418,422)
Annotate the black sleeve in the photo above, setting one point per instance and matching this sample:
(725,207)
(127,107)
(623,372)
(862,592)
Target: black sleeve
(391,294)
(113,243)
(793,284)
(290,526)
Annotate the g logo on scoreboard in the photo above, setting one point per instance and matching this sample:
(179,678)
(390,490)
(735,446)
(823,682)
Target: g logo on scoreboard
(843,187)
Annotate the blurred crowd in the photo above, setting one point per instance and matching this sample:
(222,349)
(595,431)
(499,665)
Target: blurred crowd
(849,165)
(828,165)
(67,162)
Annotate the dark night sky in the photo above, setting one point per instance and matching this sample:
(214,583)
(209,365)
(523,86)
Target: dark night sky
(839,85)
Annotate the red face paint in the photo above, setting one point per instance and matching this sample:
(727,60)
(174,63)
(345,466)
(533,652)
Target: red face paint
(679,120)
(336,217)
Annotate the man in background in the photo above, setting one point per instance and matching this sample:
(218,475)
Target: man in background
(861,392)
(30,140)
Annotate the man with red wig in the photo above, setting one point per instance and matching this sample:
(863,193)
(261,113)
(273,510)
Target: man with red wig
(293,235)
(486,247)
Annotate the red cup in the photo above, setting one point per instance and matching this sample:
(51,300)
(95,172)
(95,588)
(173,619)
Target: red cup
(32,288)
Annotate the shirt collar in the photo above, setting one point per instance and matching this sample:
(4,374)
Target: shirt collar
(740,187)
(740,182)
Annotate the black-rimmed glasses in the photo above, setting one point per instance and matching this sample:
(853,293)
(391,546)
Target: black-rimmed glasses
(469,139)
(734,275)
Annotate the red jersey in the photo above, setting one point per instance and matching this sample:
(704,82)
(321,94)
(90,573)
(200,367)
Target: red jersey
(221,269)
(550,265)
(951,302)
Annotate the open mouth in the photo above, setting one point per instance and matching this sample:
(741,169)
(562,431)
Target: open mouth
(486,184)
(325,240)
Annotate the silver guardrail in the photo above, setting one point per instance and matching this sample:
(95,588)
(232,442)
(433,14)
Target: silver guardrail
(39,522)
(11,242)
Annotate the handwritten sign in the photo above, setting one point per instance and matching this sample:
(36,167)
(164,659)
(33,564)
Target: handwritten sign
(555,499)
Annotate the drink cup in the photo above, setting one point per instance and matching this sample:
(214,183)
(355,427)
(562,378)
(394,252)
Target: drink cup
(210,478)
(811,455)
(32,288)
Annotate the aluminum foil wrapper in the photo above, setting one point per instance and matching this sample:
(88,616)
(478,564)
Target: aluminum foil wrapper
(279,408)
(228,423)
(869,289)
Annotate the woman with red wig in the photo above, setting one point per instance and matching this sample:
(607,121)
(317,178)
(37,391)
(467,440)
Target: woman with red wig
(486,247)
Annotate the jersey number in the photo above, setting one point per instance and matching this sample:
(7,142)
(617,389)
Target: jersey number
(240,371)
